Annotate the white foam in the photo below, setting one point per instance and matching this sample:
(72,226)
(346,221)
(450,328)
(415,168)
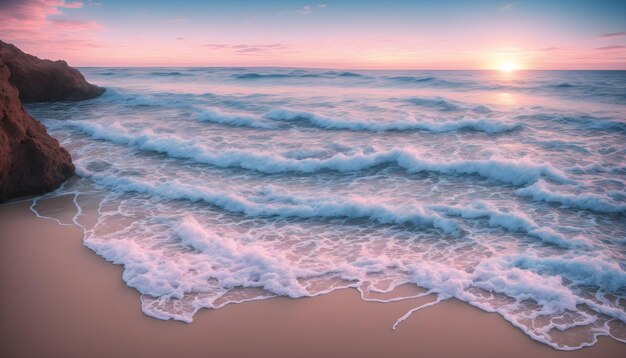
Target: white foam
(587,201)
(520,171)
(598,271)
(437,102)
(238,265)
(291,206)
(177,287)
(200,113)
(217,116)
(512,220)
(483,125)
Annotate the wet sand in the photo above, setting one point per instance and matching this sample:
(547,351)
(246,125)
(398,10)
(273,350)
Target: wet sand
(59,299)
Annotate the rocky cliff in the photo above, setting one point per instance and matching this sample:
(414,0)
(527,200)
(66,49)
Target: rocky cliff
(31,161)
(44,80)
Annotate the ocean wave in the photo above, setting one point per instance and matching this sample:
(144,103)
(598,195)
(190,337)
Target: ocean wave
(571,89)
(553,284)
(490,126)
(595,168)
(120,96)
(598,272)
(483,125)
(239,265)
(348,74)
(254,76)
(217,116)
(583,121)
(437,102)
(168,73)
(200,113)
(444,105)
(412,78)
(513,221)
(539,191)
(521,171)
(550,282)
(296,74)
(429,81)
(562,85)
(280,206)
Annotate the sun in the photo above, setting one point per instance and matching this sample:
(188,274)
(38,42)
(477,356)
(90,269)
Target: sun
(507,66)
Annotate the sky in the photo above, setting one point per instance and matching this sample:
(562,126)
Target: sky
(364,34)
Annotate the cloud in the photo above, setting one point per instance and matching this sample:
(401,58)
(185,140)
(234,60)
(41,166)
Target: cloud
(612,35)
(614,47)
(217,46)
(305,10)
(308,9)
(67,24)
(251,50)
(260,46)
(72,4)
(507,7)
(547,49)
(245,49)
(21,14)
(25,15)
(37,25)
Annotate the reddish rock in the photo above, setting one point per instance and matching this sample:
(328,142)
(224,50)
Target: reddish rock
(31,161)
(44,80)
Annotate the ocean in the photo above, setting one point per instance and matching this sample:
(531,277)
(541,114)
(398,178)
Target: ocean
(214,186)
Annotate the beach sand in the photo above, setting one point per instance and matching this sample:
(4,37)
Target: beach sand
(59,299)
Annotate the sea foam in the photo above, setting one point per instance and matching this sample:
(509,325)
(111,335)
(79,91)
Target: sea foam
(482,125)
(214,186)
(587,201)
(521,171)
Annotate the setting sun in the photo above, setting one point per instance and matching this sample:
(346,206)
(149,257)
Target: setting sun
(507,66)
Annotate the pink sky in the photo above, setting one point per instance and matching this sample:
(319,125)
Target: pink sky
(447,35)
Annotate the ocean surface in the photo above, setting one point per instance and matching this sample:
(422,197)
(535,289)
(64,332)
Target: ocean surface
(222,185)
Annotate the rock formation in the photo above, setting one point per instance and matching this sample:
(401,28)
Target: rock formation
(31,161)
(44,80)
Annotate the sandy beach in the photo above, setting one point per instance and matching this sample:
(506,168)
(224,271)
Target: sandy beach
(61,300)
(312,179)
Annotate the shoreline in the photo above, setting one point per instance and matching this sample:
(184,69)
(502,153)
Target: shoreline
(62,300)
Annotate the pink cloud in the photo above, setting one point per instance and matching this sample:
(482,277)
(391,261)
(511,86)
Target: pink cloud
(42,27)
(73,5)
(614,47)
(244,49)
(18,14)
(613,35)
(64,24)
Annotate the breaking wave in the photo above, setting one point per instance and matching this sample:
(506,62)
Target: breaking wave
(483,125)
(521,171)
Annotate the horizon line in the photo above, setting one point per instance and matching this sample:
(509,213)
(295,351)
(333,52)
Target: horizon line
(353,69)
